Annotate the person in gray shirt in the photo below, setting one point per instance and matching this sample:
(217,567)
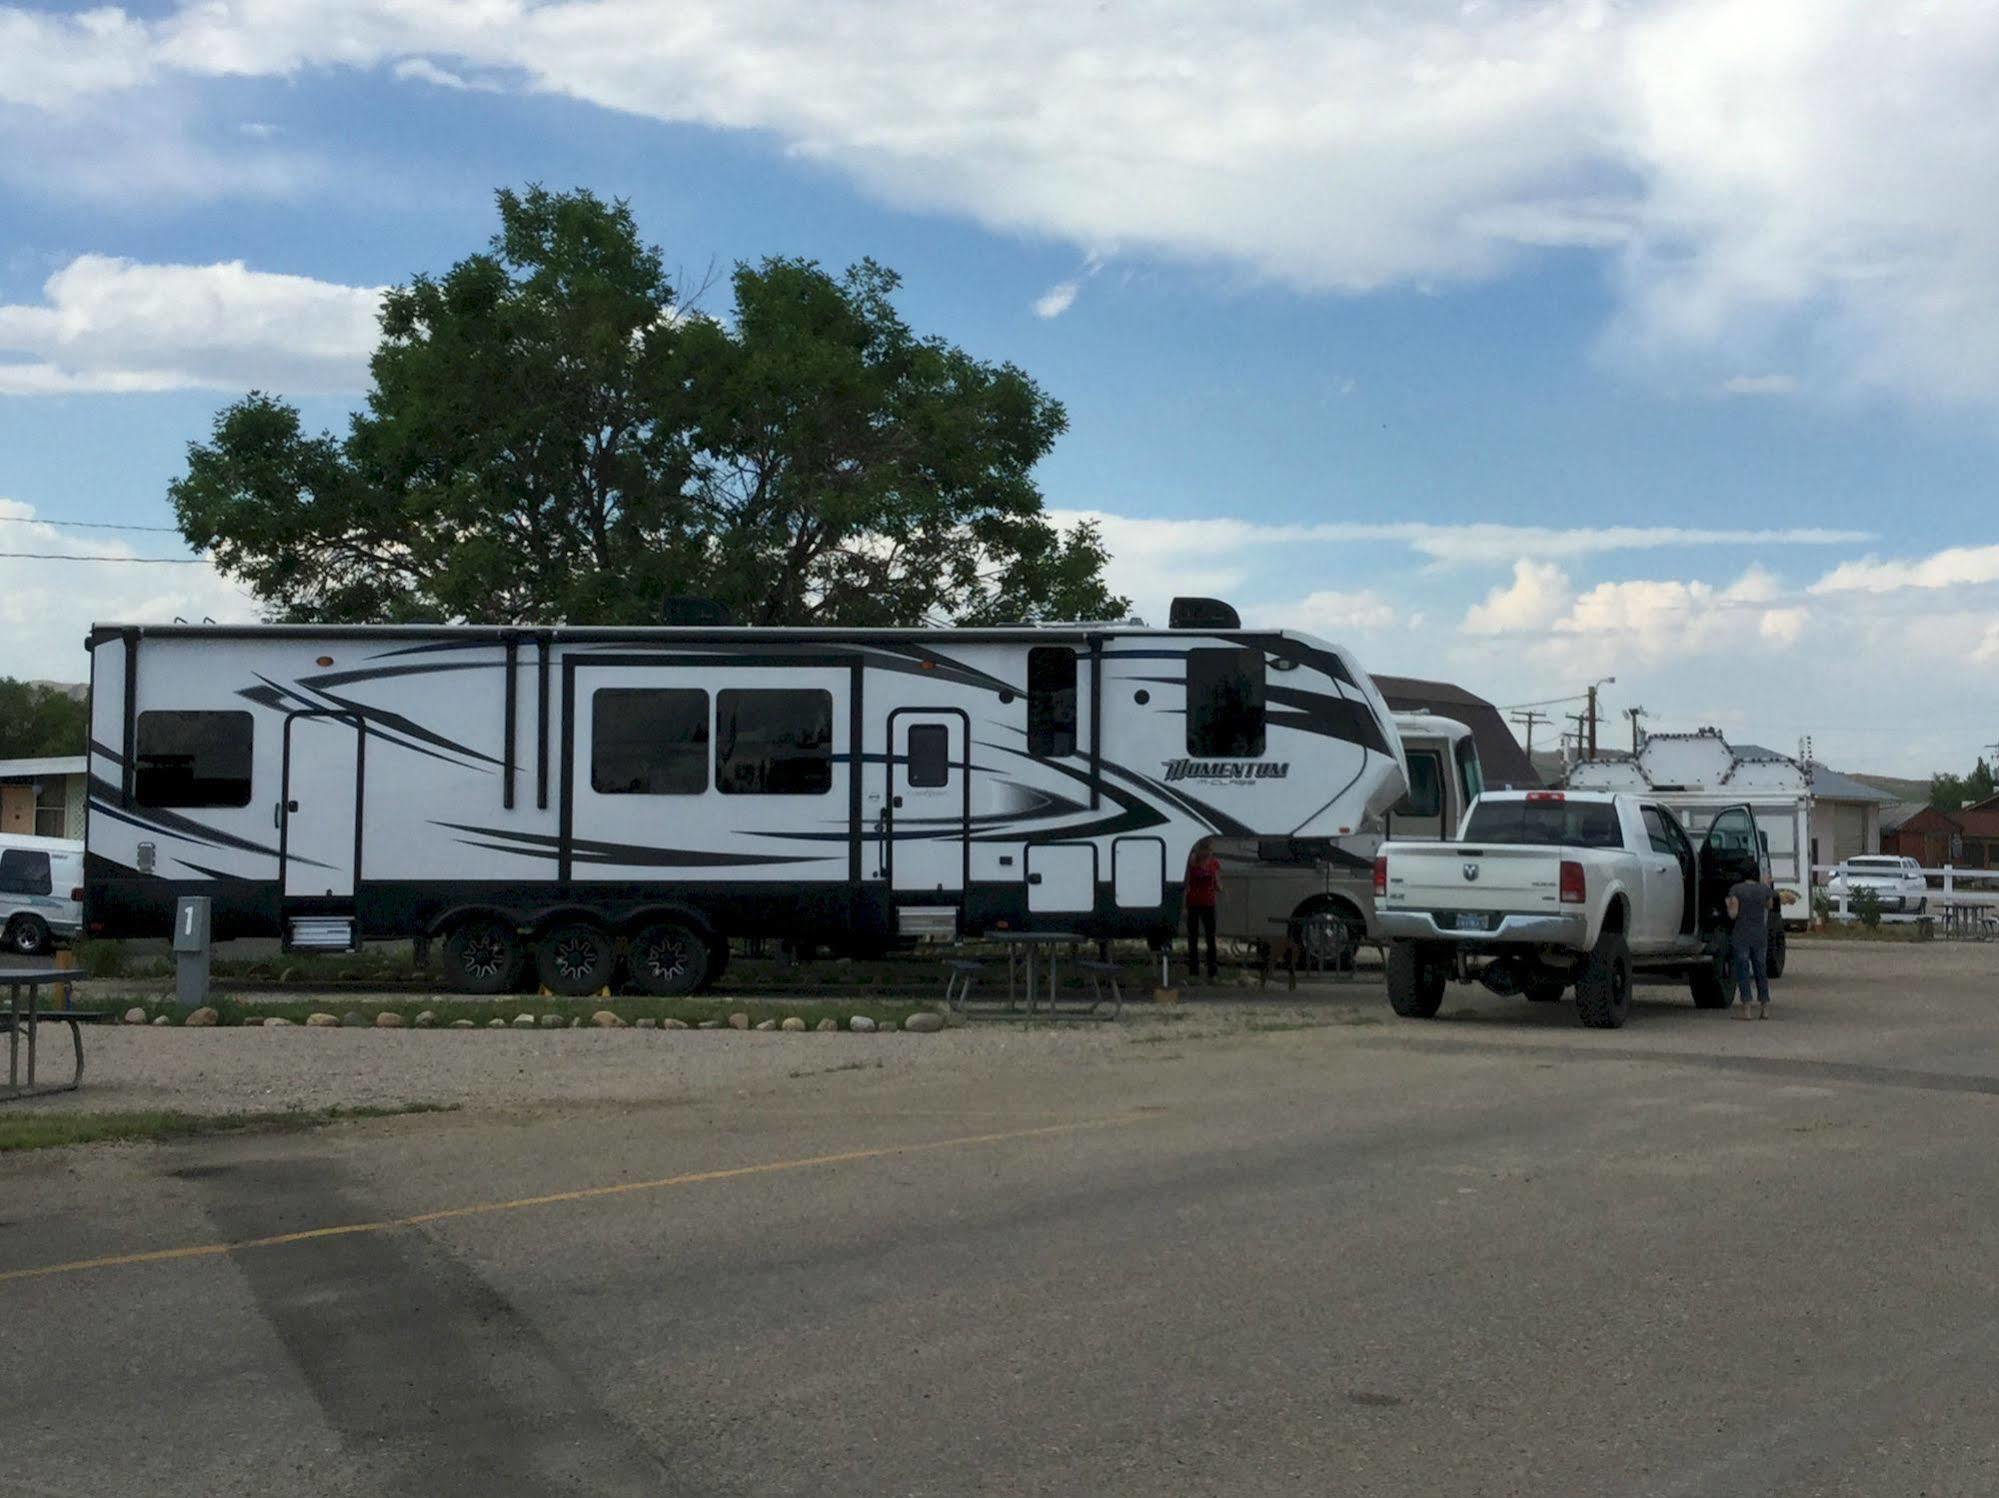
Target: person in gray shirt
(1749,907)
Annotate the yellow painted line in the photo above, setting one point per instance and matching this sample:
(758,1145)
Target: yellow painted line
(558,1198)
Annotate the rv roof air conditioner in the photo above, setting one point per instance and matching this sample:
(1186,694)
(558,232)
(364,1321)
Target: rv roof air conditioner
(1202,613)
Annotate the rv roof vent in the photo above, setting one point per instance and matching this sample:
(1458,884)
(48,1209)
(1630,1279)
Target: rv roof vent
(679,609)
(1202,613)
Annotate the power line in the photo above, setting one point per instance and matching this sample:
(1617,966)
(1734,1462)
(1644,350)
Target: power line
(87,525)
(1547,701)
(84,557)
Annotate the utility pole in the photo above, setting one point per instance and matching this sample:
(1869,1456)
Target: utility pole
(1584,744)
(1605,682)
(1634,714)
(1527,720)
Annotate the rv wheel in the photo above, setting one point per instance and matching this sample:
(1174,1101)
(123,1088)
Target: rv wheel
(669,958)
(481,956)
(574,959)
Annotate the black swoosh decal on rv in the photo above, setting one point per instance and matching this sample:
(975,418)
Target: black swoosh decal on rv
(586,850)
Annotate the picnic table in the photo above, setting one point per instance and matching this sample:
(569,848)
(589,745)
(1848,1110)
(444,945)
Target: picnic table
(1966,920)
(24,1020)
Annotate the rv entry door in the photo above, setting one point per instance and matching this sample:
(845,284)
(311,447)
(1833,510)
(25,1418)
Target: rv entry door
(928,818)
(319,820)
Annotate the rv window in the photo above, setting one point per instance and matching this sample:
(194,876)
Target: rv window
(24,872)
(1471,775)
(193,759)
(1225,703)
(1051,701)
(929,756)
(1425,797)
(774,743)
(646,742)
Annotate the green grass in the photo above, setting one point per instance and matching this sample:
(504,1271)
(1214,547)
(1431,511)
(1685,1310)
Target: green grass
(39,1131)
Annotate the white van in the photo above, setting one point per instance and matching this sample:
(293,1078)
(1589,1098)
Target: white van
(41,892)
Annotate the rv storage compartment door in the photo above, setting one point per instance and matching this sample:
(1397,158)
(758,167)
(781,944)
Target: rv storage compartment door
(1061,877)
(321,808)
(1138,867)
(929,802)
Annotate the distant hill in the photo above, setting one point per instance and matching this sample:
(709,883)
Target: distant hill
(1901,790)
(79,691)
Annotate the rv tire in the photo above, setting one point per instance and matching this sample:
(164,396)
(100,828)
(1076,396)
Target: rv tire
(575,958)
(668,958)
(481,955)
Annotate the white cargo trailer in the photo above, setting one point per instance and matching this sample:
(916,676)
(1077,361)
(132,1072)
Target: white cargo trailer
(586,798)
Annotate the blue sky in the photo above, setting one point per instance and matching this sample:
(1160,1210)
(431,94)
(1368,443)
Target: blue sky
(1516,345)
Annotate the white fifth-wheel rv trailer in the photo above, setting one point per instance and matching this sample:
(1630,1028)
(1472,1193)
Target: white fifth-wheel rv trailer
(574,804)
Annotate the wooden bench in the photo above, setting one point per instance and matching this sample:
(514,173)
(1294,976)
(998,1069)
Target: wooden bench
(21,1022)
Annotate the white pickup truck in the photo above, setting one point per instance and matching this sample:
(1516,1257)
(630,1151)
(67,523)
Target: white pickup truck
(1548,889)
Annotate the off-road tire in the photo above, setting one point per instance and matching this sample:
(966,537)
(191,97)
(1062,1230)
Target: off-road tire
(575,958)
(1713,982)
(1773,960)
(1545,990)
(1415,981)
(1603,987)
(669,958)
(481,955)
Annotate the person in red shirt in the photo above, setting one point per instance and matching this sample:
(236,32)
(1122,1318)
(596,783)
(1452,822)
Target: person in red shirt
(1204,880)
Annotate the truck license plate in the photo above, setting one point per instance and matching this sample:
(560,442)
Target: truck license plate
(1470,922)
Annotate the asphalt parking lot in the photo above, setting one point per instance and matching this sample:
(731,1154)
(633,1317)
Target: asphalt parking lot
(1237,1253)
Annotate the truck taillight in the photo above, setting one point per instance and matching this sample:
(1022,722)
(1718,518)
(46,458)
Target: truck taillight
(1381,876)
(1575,888)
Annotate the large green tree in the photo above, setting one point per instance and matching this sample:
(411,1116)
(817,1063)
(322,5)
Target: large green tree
(551,437)
(37,721)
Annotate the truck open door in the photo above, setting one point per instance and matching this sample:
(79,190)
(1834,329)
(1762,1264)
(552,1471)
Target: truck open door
(1730,853)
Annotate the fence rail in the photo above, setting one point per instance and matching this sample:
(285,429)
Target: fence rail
(1947,888)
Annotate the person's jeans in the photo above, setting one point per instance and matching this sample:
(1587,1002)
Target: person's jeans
(1200,918)
(1752,962)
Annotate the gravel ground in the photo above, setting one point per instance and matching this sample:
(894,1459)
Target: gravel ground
(252,1069)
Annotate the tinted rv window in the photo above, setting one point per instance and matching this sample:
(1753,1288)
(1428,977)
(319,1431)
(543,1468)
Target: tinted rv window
(1225,703)
(774,743)
(193,759)
(24,872)
(1051,701)
(929,756)
(648,743)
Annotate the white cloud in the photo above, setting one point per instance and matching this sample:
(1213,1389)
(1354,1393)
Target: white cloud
(423,70)
(1057,299)
(47,606)
(1958,566)
(1987,651)
(116,326)
(1533,600)
(1483,544)
(1329,612)
(1765,384)
(1762,174)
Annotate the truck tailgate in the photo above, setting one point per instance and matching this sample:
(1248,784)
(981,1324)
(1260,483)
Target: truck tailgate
(1451,876)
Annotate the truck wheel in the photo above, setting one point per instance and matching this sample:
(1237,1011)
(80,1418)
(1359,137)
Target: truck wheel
(1545,990)
(28,936)
(1415,981)
(1712,980)
(1603,989)
(574,959)
(1773,962)
(669,958)
(481,955)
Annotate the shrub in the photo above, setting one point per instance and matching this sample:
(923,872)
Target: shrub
(1865,904)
